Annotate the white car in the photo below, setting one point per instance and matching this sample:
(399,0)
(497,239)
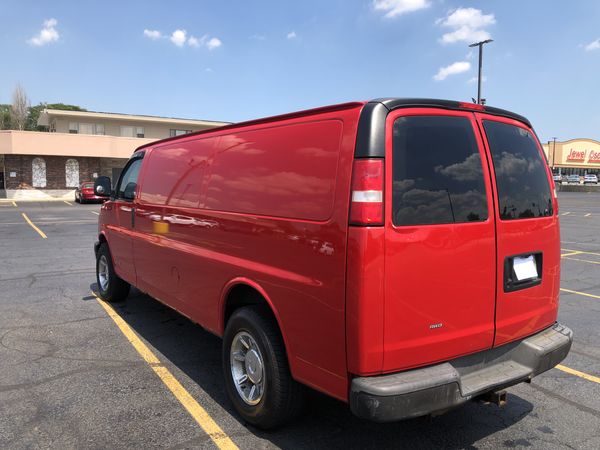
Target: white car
(590,179)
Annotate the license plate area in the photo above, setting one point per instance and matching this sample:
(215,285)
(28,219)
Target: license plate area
(522,271)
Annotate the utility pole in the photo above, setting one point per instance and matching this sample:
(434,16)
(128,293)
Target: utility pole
(553,153)
(480,45)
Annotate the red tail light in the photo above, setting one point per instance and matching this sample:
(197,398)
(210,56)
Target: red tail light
(475,106)
(366,207)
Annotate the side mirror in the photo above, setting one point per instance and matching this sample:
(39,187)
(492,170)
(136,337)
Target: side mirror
(129,192)
(102,186)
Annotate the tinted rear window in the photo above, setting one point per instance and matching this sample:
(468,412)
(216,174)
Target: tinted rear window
(523,189)
(437,172)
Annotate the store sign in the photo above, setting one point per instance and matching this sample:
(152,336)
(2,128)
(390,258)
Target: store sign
(594,157)
(576,155)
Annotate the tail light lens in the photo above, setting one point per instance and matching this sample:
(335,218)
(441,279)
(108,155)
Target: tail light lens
(366,207)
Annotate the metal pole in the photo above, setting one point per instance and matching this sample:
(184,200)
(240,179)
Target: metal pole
(480,45)
(554,153)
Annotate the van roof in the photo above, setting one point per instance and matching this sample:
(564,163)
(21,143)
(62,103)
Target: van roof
(373,110)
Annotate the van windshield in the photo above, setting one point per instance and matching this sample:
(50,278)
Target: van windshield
(523,189)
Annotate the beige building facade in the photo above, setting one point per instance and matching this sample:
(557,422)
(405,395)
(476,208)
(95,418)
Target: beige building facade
(575,156)
(78,146)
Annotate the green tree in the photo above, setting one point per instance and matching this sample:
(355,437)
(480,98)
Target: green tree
(5,120)
(34,113)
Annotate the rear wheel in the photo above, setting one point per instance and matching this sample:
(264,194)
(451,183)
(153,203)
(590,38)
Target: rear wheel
(257,375)
(110,286)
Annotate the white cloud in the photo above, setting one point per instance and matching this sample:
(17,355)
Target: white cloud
(292,35)
(452,69)
(47,34)
(152,34)
(213,43)
(258,37)
(179,37)
(193,41)
(394,8)
(594,45)
(468,25)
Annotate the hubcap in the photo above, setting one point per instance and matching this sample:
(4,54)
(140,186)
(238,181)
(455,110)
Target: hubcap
(247,368)
(103,273)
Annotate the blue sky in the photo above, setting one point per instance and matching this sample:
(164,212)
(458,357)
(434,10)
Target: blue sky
(246,59)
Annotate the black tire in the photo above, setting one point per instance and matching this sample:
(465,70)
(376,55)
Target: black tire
(283,398)
(76,198)
(115,289)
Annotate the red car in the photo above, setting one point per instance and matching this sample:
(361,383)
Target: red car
(85,193)
(401,255)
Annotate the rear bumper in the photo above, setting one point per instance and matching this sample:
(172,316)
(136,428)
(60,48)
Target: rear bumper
(436,388)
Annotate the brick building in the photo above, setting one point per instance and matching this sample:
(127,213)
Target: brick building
(78,146)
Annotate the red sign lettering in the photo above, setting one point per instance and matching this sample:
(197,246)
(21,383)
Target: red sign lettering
(594,157)
(576,155)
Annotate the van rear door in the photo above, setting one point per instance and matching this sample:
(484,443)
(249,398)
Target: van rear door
(440,255)
(528,238)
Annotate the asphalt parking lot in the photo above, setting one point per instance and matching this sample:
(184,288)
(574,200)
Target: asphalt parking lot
(72,376)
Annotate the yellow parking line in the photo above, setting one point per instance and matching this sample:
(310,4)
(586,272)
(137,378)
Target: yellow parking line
(575,252)
(70,204)
(579,293)
(579,374)
(40,232)
(199,414)
(14,204)
(583,260)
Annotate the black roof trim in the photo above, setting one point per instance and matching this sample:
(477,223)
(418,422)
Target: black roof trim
(370,139)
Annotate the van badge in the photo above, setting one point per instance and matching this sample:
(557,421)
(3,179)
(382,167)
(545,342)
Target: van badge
(435,325)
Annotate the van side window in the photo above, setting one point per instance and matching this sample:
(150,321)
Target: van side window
(437,172)
(523,189)
(130,175)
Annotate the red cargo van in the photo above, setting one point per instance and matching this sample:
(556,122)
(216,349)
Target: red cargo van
(401,255)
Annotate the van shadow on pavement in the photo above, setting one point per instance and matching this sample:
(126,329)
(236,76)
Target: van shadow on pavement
(327,423)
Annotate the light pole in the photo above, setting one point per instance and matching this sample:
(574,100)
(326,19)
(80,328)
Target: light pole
(554,154)
(480,45)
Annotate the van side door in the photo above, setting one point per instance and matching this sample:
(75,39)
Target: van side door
(528,236)
(120,233)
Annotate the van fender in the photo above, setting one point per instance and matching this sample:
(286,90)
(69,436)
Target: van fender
(254,285)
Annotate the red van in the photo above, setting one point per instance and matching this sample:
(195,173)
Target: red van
(401,255)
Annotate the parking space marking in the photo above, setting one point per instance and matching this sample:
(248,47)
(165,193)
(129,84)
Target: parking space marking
(587,215)
(199,414)
(40,232)
(70,204)
(14,204)
(95,212)
(565,214)
(583,260)
(580,251)
(577,373)
(579,293)
(574,252)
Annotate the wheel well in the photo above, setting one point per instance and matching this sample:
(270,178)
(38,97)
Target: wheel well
(102,239)
(243,295)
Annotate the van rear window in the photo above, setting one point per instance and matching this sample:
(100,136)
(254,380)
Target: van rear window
(521,177)
(437,172)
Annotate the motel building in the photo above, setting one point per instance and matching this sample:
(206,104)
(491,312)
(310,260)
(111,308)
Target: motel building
(78,146)
(576,156)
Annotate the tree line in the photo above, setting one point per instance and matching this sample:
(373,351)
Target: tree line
(20,115)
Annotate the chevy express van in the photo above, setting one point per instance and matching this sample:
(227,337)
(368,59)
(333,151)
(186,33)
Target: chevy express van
(401,255)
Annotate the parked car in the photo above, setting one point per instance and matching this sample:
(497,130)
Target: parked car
(590,179)
(359,249)
(573,179)
(85,193)
(557,178)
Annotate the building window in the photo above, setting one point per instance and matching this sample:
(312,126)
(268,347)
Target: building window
(139,132)
(127,131)
(73,127)
(86,128)
(178,132)
(72,173)
(38,173)
(100,128)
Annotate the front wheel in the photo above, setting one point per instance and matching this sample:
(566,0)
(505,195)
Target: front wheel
(110,286)
(257,375)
